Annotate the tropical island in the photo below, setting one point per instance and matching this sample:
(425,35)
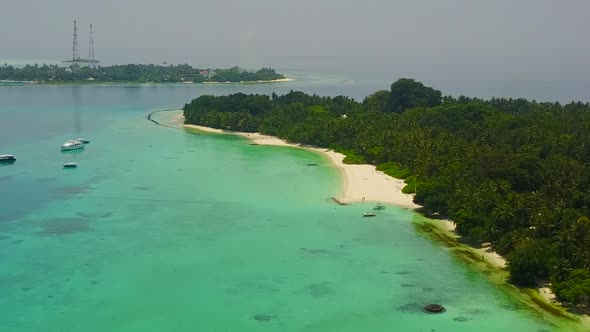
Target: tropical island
(133,73)
(510,173)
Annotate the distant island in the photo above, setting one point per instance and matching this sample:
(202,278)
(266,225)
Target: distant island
(134,74)
(512,174)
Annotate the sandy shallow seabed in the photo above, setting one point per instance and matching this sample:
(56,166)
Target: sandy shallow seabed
(362,182)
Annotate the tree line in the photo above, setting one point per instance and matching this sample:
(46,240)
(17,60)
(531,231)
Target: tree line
(511,172)
(134,73)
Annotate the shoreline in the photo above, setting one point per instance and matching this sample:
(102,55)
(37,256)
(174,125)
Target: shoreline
(90,83)
(363,183)
(539,300)
(280,80)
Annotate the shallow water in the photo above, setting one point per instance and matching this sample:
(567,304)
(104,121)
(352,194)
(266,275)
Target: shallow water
(164,230)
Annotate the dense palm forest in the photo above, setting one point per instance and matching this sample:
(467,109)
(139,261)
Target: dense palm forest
(134,73)
(511,172)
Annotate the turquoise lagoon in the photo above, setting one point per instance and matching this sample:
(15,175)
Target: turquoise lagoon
(160,229)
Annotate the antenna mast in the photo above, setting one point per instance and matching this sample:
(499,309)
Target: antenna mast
(75,54)
(91,46)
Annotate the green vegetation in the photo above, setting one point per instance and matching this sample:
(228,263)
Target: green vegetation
(134,73)
(393,169)
(507,171)
(351,157)
(576,287)
(411,185)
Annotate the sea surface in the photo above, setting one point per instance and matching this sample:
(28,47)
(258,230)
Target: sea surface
(160,229)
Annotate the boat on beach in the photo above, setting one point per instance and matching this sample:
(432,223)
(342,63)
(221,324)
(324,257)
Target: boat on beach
(7,158)
(72,145)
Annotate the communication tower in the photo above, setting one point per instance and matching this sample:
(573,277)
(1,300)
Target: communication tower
(91,46)
(75,51)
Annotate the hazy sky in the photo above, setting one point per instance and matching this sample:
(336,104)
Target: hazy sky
(456,42)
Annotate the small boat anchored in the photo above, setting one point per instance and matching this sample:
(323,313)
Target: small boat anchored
(73,144)
(369,214)
(379,206)
(7,158)
(83,140)
(70,165)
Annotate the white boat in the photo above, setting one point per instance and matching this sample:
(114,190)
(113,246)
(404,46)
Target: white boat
(369,214)
(72,145)
(83,140)
(70,165)
(7,158)
(379,206)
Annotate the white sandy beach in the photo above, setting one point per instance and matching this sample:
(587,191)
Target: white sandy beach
(492,257)
(254,82)
(362,183)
